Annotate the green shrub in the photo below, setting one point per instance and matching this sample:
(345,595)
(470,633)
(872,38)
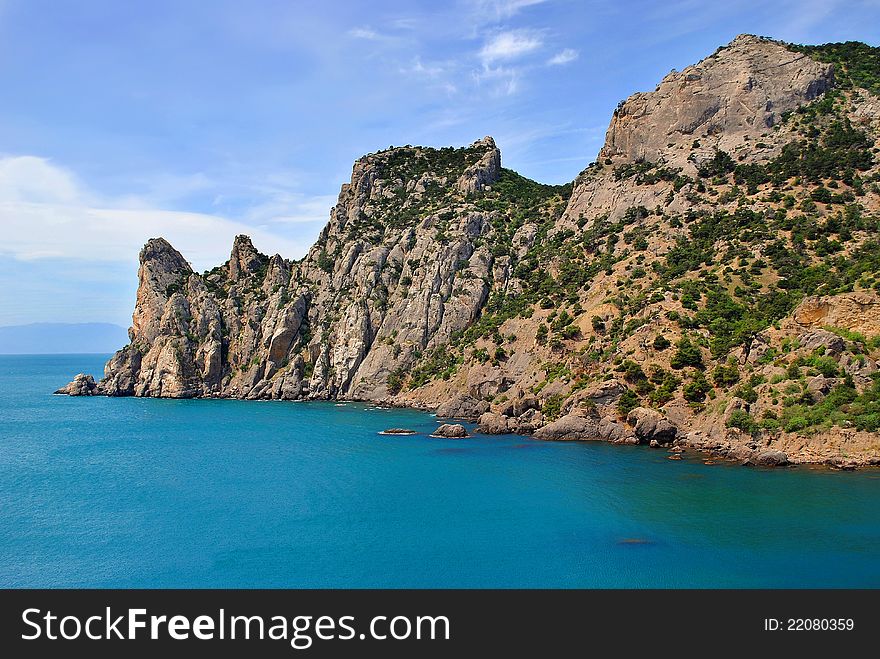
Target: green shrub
(687,354)
(725,375)
(742,420)
(695,391)
(628,402)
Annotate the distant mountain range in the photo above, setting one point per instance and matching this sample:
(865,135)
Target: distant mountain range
(60,338)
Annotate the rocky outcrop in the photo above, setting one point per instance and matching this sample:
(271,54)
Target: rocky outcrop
(736,94)
(81,385)
(484,172)
(651,426)
(450,431)
(462,406)
(570,427)
(855,312)
(492,423)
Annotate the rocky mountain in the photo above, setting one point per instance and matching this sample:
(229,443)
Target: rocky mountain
(711,281)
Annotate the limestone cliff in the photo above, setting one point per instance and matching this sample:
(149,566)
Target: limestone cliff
(711,281)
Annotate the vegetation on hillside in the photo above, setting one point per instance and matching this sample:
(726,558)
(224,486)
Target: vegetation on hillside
(856,64)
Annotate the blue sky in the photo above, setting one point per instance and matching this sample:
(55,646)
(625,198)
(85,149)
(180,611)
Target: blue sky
(198,120)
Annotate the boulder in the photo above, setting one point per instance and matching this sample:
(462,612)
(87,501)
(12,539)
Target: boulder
(570,427)
(493,424)
(603,395)
(519,406)
(819,386)
(858,365)
(839,462)
(651,425)
(822,338)
(612,430)
(81,385)
(462,407)
(769,458)
(451,431)
(526,423)
(742,454)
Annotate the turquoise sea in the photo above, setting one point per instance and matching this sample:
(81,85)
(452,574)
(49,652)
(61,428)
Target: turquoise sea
(158,493)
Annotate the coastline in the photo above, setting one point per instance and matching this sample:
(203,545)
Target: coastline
(721,447)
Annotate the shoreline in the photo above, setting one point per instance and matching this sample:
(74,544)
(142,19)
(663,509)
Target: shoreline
(742,456)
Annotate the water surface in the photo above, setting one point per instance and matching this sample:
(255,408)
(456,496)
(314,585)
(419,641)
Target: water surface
(160,493)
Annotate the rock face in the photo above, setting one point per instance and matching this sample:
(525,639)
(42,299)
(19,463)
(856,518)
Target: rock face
(650,425)
(710,273)
(365,303)
(739,92)
(484,172)
(856,312)
(462,406)
(570,427)
(494,424)
(81,385)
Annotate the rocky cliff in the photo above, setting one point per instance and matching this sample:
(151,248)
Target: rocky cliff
(711,281)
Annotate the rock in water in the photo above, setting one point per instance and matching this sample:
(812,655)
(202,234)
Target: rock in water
(570,427)
(494,424)
(651,426)
(81,385)
(770,458)
(450,431)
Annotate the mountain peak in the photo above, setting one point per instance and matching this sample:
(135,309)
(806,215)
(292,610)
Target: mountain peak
(736,94)
(244,257)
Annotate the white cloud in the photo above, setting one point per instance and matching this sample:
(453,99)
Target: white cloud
(497,10)
(504,80)
(46,213)
(419,69)
(35,179)
(509,45)
(292,208)
(563,57)
(404,23)
(364,33)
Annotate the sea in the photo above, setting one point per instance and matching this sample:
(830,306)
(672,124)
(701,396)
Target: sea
(131,493)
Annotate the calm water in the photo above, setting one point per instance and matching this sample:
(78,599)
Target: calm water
(153,493)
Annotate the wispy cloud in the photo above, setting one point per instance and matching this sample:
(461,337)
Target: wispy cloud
(404,23)
(563,57)
(499,10)
(420,69)
(47,213)
(505,80)
(364,33)
(510,45)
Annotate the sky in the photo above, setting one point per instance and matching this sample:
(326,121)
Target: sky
(200,120)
